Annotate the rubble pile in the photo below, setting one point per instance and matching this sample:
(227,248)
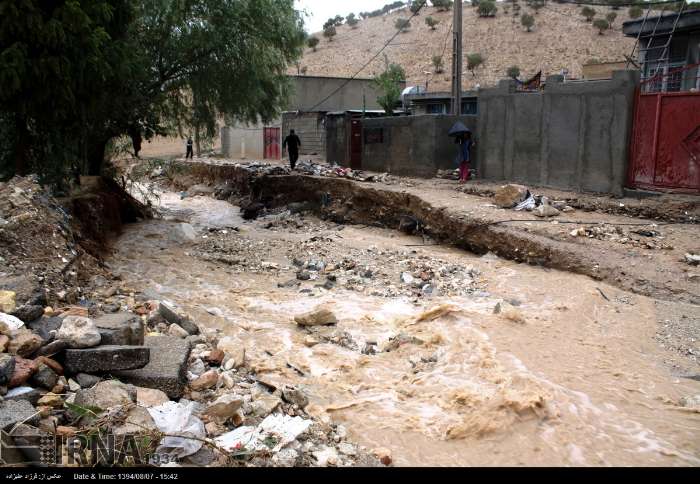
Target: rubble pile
(86,356)
(640,237)
(519,198)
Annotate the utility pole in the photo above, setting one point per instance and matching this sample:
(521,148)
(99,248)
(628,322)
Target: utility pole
(457,59)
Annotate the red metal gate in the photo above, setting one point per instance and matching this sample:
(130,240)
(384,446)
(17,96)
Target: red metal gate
(665,146)
(271,138)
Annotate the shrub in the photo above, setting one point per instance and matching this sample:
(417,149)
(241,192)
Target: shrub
(474,60)
(610,17)
(636,12)
(513,71)
(388,84)
(330,32)
(416,5)
(402,24)
(588,12)
(351,20)
(431,22)
(442,5)
(527,21)
(313,42)
(487,8)
(438,64)
(602,25)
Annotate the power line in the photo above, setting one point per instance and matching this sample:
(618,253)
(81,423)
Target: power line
(398,31)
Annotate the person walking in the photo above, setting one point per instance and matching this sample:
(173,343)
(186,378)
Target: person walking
(190,151)
(292,143)
(465,147)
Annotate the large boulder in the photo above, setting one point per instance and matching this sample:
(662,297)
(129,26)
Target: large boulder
(320,316)
(120,329)
(106,358)
(508,196)
(79,332)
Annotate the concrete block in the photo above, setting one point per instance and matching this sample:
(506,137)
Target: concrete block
(106,358)
(120,329)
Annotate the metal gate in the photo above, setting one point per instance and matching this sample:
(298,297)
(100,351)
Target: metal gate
(356,144)
(665,145)
(271,138)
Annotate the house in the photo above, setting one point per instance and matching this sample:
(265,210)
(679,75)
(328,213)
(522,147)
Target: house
(312,97)
(440,103)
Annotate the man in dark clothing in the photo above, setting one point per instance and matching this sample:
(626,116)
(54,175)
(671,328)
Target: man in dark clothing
(190,151)
(292,143)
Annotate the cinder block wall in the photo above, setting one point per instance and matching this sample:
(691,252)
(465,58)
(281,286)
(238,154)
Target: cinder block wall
(413,145)
(572,135)
(310,129)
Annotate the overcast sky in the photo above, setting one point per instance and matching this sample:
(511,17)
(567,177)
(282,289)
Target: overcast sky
(321,10)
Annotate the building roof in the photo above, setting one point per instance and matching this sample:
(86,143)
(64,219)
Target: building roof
(690,20)
(438,96)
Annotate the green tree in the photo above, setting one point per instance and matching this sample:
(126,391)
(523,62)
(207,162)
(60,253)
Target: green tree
(388,83)
(442,5)
(588,13)
(313,42)
(513,72)
(487,8)
(438,64)
(601,24)
(527,21)
(635,12)
(330,32)
(431,22)
(402,25)
(610,17)
(474,60)
(416,5)
(351,20)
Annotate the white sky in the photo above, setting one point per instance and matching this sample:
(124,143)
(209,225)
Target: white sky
(321,10)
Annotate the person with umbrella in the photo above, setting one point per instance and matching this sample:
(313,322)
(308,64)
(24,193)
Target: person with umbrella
(463,137)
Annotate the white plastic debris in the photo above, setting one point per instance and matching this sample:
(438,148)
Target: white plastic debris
(692,259)
(279,429)
(13,324)
(183,428)
(528,204)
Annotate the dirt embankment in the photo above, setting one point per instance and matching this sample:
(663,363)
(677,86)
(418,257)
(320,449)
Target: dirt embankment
(465,223)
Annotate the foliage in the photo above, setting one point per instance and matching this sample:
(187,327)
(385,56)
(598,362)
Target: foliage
(431,22)
(384,10)
(402,24)
(443,5)
(513,72)
(313,42)
(601,24)
(527,21)
(416,5)
(329,33)
(588,13)
(610,17)
(388,83)
(438,64)
(351,20)
(487,8)
(474,60)
(635,12)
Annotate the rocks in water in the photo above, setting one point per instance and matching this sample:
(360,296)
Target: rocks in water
(383,455)
(167,368)
(509,312)
(87,381)
(7,368)
(224,408)
(24,343)
(215,357)
(509,196)
(45,377)
(170,314)
(150,397)
(207,380)
(294,396)
(15,411)
(106,394)
(28,313)
(120,329)
(407,278)
(320,316)
(106,358)
(79,332)
(7,301)
(545,210)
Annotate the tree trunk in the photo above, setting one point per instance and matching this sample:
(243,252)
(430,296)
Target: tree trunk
(197,141)
(96,156)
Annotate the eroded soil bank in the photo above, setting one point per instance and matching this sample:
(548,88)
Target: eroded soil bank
(570,371)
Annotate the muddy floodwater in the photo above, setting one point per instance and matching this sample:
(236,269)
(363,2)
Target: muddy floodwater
(569,373)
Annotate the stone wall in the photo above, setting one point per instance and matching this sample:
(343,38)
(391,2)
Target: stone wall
(571,135)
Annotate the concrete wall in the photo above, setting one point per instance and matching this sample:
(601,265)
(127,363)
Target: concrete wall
(308,91)
(310,129)
(413,145)
(242,142)
(338,139)
(571,135)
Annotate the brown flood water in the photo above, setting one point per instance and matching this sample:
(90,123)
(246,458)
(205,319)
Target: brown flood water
(579,382)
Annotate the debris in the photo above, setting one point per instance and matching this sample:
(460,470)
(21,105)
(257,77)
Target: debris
(105,395)
(150,397)
(508,196)
(224,408)
(184,430)
(24,369)
(282,427)
(528,204)
(120,329)
(171,314)
(692,259)
(205,381)
(28,313)
(320,316)
(177,331)
(7,368)
(45,377)
(7,301)
(294,396)
(24,343)
(545,210)
(9,324)
(79,332)
(509,312)
(107,358)
(13,412)
(87,381)
(383,455)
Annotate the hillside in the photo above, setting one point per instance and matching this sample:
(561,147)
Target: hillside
(561,38)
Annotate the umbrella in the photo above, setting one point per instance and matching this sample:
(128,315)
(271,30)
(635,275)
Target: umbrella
(458,129)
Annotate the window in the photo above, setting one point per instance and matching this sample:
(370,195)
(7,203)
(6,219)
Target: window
(469,107)
(435,108)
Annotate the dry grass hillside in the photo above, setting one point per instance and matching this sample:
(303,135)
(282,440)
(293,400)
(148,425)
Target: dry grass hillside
(561,38)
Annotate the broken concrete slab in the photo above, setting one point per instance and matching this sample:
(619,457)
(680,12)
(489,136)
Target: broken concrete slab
(170,312)
(167,368)
(106,358)
(120,329)
(16,411)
